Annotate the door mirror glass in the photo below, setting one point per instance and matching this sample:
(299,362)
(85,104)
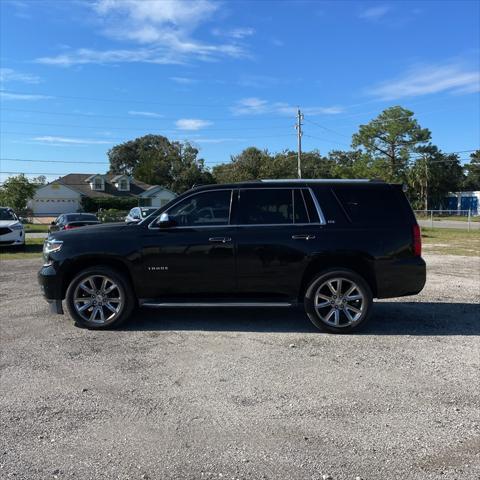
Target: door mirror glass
(52,223)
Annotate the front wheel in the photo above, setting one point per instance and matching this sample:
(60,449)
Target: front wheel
(99,298)
(338,301)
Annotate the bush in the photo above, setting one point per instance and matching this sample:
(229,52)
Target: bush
(112,215)
(93,205)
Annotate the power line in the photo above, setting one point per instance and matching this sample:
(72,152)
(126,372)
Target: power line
(122,139)
(117,100)
(132,117)
(135,128)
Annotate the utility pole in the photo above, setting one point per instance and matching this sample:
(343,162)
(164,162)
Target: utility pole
(426,181)
(298,127)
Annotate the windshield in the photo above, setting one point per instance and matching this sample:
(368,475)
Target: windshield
(7,214)
(81,218)
(147,211)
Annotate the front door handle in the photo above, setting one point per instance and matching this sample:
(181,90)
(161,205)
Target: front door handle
(220,239)
(303,237)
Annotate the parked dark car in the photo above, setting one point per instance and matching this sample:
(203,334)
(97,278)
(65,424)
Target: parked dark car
(330,245)
(67,221)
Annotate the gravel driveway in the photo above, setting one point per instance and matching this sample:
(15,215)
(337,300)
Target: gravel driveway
(245,394)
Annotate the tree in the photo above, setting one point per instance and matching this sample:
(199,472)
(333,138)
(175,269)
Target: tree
(432,176)
(155,160)
(248,165)
(16,191)
(391,138)
(472,179)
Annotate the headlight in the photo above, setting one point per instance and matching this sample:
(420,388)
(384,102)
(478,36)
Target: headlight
(16,226)
(51,246)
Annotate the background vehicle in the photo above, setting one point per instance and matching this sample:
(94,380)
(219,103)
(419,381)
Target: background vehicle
(330,245)
(67,221)
(12,232)
(137,214)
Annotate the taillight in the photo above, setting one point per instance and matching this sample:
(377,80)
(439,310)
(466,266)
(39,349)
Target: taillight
(68,227)
(417,241)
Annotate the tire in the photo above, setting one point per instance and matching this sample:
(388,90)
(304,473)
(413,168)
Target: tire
(102,289)
(333,312)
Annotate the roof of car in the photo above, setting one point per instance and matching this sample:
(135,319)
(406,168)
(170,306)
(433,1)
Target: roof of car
(289,182)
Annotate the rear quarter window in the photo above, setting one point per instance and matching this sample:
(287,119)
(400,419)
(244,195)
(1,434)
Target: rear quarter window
(367,205)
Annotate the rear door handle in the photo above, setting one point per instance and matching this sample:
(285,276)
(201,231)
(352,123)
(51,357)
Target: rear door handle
(303,237)
(220,239)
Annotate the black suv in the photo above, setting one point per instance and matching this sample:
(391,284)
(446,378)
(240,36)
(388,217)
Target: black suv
(330,245)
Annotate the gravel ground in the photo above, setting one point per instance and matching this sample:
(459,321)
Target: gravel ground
(249,394)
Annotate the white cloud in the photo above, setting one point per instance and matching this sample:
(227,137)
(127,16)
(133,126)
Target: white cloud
(164,29)
(183,80)
(237,33)
(375,13)
(22,96)
(192,124)
(70,141)
(145,114)
(429,79)
(258,106)
(10,75)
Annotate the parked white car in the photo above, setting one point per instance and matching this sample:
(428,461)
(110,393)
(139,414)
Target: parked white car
(12,232)
(137,214)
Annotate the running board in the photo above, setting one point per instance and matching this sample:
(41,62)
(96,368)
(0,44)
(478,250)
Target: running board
(152,304)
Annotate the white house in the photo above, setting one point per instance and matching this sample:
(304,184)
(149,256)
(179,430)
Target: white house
(64,195)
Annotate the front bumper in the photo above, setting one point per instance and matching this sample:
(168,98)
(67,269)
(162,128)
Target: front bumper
(13,238)
(51,285)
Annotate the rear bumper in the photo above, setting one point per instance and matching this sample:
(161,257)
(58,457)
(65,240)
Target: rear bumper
(399,278)
(51,286)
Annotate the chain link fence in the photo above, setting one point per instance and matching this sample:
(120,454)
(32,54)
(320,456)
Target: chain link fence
(462,219)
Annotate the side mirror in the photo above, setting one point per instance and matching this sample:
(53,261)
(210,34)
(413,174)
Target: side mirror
(52,223)
(165,221)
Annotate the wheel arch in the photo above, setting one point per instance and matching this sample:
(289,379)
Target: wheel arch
(362,265)
(82,263)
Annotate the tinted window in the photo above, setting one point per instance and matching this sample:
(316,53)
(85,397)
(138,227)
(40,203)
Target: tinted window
(311,208)
(6,214)
(377,205)
(80,218)
(265,207)
(202,209)
(301,215)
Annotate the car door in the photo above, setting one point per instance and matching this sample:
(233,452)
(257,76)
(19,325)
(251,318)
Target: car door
(274,242)
(193,257)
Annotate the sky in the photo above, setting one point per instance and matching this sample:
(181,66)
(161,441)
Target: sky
(78,77)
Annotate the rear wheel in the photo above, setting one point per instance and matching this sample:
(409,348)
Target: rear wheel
(338,301)
(99,298)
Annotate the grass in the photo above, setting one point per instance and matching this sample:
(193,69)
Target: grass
(33,249)
(36,228)
(451,241)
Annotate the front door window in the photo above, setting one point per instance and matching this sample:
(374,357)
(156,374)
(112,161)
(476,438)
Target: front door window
(202,210)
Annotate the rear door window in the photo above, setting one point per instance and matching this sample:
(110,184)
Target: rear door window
(266,206)
(301,214)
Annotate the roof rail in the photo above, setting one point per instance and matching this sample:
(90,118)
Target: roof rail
(321,180)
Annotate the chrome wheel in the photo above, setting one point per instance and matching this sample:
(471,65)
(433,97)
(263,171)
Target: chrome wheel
(98,299)
(339,302)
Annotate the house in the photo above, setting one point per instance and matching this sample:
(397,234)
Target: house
(65,194)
